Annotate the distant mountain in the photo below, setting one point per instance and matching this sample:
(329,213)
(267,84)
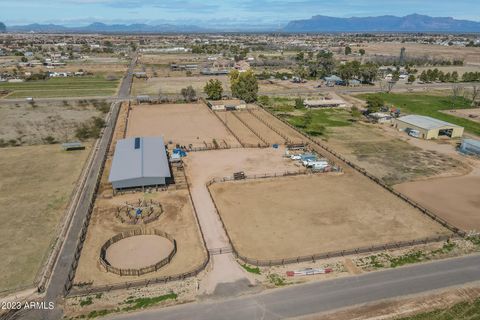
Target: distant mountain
(3,28)
(410,23)
(99,27)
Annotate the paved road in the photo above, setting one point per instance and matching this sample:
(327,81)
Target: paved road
(328,295)
(56,287)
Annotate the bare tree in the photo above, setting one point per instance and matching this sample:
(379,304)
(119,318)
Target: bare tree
(475,93)
(387,86)
(456,90)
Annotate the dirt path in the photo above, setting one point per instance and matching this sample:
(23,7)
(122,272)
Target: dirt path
(203,166)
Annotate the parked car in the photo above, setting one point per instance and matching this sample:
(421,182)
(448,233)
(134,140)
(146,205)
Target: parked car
(296,157)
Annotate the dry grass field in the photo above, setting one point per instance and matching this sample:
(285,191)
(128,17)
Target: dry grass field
(35,188)
(27,124)
(182,124)
(469,55)
(305,215)
(178,220)
(174,84)
(388,156)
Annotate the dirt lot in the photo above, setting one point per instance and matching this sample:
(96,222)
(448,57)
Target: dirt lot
(32,125)
(470,114)
(35,187)
(180,123)
(456,199)
(178,220)
(243,133)
(388,155)
(260,128)
(173,85)
(315,214)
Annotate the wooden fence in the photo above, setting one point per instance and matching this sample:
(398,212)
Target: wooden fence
(141,271)
(378,181)
(319,256)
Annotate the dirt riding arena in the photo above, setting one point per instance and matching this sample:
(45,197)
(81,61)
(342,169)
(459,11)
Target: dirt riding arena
(305,215)
(178,220)
(139,251)
(455,199)
(182,124)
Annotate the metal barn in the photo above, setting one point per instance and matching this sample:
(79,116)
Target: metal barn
(139,162)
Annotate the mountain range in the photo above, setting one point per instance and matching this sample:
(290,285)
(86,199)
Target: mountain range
(98,27)
(410,23)
(319,23)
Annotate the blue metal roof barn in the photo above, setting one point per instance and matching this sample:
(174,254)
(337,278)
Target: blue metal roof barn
(470,146)
(139,162)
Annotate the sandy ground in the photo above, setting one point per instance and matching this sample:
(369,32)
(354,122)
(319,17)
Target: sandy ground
(177,220)
(182,124)
(456,199)
(138,252)
(203,166)
(243,133)
(314,214)
(30,125)
(265,132)
(35,187)
(470,114)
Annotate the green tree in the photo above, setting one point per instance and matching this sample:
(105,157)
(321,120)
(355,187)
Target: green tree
(213,89)
(411,78)
(244,85)
(423,76)
(362,52)
(299,103)
(188,94)
(454,77)
(369,72)
(348,50)
(374,103)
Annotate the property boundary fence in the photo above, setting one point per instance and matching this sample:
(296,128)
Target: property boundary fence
(319,256)
(141,271)
(416,205)
(250,128)
(268,125)
(83,234)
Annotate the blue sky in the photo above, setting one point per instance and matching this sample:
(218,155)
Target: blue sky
(212,12)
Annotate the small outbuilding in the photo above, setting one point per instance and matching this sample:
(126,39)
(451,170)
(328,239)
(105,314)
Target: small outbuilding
(324,103)
(427,127)
(233,104)
(470,146)
(139,162)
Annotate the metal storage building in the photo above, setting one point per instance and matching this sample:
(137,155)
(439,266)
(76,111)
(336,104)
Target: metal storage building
(139,162)
(470,146)
(429,128)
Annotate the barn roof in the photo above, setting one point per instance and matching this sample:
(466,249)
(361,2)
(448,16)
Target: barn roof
(425,122)
(139,158)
